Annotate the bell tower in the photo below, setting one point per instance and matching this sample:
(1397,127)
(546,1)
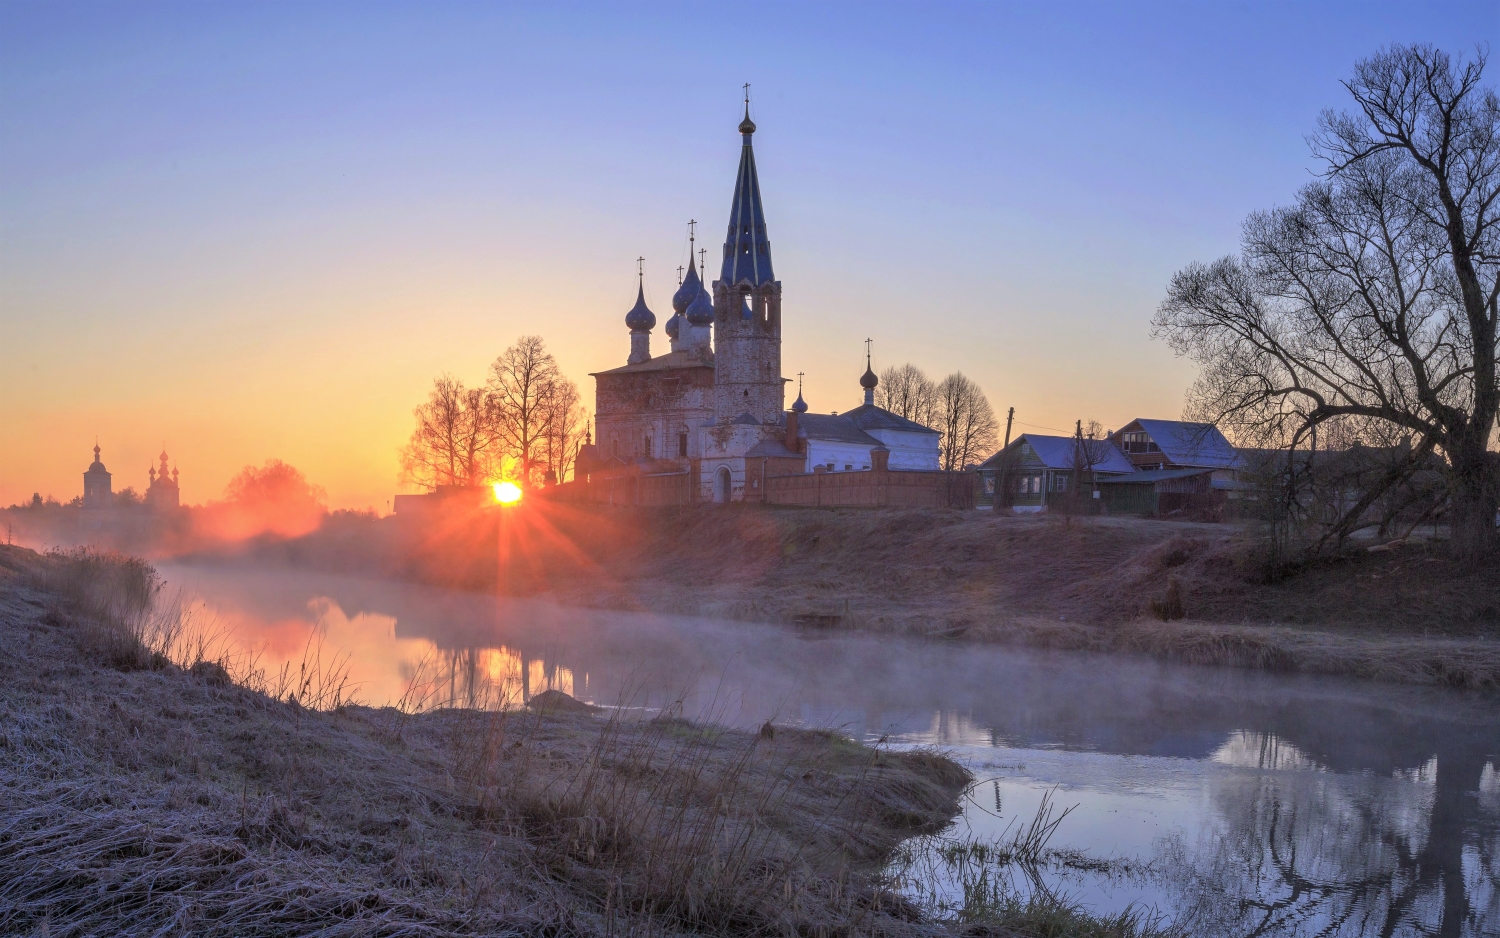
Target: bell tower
(747,305)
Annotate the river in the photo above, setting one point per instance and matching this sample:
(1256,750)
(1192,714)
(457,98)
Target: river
(1232,802)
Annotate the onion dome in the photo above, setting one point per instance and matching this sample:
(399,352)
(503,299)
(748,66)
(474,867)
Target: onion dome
(747,126)
(799,405)
(96,461)
(701,311)
(689,290)
(674,326)
(868,381)
(640,319)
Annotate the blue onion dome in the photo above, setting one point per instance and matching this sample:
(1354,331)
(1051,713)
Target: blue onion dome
(701,312)
(688,291)
(868,379)
(799,405)
(745,311)
(640,319)
(674,325)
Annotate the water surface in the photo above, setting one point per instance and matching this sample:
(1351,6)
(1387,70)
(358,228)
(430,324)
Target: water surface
(1234,802)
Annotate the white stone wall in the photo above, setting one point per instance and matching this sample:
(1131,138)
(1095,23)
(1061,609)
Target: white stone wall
(823,452)
(910,450)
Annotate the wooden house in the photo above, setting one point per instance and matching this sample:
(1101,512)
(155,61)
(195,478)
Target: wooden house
(1035,470)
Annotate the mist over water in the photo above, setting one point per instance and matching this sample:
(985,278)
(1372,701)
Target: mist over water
(1235,802)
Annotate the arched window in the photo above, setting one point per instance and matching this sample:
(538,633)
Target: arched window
(646,446)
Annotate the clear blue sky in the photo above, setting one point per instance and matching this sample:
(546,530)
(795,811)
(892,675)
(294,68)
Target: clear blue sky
(256,230)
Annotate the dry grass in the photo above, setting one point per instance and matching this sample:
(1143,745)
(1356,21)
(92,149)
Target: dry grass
(141,797)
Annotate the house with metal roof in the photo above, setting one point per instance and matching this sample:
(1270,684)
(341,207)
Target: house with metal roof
(1035,470)
(1176,444)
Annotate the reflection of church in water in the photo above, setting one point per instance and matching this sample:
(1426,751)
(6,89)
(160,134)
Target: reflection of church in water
(714,405)
(161,493)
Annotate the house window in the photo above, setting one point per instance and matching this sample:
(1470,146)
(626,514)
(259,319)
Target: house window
(682,445)
(1025,449)
(989,485)
(1137,441)
(1060,483)
(830,467)
(848,466)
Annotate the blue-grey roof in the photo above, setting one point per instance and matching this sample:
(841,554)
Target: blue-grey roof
(1191,444)
(774,448)
(746,418)
(689,288)
(640,319)
(1058,452)
(833,429)
(1154,475)
(747,249)
(870,417)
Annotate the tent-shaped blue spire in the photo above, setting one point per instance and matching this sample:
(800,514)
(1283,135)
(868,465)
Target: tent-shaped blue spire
(747,249)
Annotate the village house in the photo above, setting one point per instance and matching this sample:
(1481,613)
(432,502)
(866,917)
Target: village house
(1036,470)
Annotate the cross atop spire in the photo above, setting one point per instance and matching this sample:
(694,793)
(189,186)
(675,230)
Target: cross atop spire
(747,248)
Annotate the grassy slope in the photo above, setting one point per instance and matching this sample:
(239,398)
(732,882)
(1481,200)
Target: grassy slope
(164,801)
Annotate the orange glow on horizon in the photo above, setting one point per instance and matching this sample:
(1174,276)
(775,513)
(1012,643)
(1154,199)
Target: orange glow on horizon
(507,493)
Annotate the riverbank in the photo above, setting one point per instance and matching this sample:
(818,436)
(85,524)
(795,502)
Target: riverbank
(1192,593)
(147,788)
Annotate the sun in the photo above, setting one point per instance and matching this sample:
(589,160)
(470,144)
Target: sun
(507,493)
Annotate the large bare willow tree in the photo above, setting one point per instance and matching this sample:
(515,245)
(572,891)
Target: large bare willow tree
(1369,305)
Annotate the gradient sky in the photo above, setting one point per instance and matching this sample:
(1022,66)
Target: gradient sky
(260,230)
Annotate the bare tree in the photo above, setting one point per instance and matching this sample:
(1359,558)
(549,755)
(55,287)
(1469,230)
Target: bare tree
(1372,301)
(906,391)
(525,382)
(456,440)
(565,430)
(966,421)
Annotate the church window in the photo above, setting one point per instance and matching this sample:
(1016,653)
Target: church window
(747,249)
(682,445)
(646,447)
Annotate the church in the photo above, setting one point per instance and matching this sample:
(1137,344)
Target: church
(714,405)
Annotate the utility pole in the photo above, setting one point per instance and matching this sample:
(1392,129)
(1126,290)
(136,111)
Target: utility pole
(1002,473)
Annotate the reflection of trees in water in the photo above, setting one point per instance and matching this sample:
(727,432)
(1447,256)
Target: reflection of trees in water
(1301,853)
(479,678)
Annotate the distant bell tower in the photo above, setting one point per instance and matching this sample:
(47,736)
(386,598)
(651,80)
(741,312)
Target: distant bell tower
(747,305)
(96,484)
